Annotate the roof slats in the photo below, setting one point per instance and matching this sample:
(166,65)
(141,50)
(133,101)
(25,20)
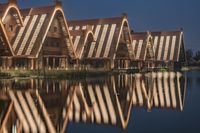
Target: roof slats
(166,45)
(36,33)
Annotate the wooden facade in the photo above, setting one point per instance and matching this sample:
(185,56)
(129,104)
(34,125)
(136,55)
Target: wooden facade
(112,42)
(159,49)
(143,48)
(81,39)
(41,38)
(169,49)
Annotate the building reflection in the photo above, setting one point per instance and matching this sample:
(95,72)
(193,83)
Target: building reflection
(160,90)
(35,105)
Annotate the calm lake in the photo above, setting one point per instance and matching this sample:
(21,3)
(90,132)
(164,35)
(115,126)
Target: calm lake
(156,102)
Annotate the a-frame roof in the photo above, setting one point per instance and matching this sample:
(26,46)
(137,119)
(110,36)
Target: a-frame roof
(5,8)
(142,45)
(37,21)
(81,39)
(107,33)
(5,44)
(167,45)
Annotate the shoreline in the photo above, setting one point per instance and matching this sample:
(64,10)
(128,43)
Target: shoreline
(59,74)
(73,74)
(190,68)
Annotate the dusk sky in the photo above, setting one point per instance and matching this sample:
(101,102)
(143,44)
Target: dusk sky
(143,15)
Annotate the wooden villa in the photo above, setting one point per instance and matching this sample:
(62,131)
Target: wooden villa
(10,19)
(143,47)
(169,49)
(42,39)
(81,38)
(159,50)
(112,47)
(39,37)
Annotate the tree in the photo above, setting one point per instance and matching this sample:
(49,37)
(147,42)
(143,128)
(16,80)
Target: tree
(197,56)
(189,55)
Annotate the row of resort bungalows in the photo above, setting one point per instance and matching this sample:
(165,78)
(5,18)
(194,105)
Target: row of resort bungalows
(41,37)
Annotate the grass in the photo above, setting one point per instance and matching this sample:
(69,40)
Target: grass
(163,69)
(60,74)
(4,75)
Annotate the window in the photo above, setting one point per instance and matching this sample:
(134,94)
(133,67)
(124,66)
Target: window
(10,28)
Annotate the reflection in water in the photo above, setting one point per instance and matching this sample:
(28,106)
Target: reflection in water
(34,105)
(198,81)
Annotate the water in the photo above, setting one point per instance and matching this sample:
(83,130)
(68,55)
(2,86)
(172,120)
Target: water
(158,102)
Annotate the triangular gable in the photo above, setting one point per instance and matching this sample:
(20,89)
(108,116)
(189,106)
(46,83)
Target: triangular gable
(5,47)
(11,8)
(107,34)
(150,55)
(167,45)
(123,48)
(143,46)
(37,23)
(81,40)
